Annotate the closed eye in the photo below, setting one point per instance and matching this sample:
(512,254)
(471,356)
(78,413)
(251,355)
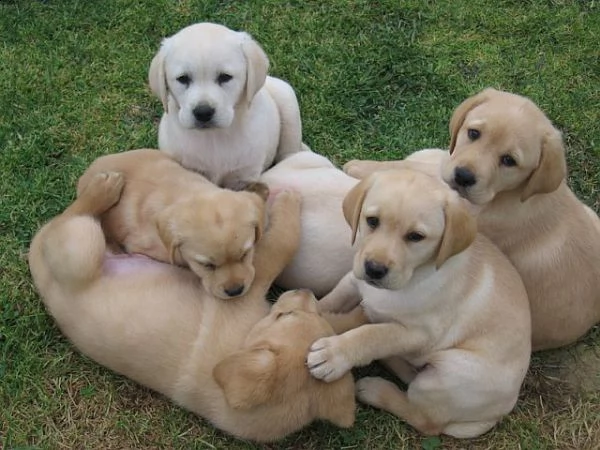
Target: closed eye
(283,314)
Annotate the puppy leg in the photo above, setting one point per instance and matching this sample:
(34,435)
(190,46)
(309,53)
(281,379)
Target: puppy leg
(342,322)
(280,242)
(400,367)
(343,298)
(361,168)
(386,395)
(72,245)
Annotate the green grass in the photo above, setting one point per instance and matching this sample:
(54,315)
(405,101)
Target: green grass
(375,80)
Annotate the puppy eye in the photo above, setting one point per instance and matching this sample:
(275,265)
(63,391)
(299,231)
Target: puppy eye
(508,161)
(284,313)
(223,78)
(473,134)
(414,236)
(184,79)
(209,266)
(372,222)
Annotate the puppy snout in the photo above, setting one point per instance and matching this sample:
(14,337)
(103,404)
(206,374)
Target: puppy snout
(235,290)
(203,113)
(375,270)
(464,177)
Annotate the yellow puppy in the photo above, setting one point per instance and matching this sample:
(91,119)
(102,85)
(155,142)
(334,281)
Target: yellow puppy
(442,306)
(233,363)
(174,215)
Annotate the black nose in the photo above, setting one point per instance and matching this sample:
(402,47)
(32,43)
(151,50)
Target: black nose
(464,177)
(235,290)
(374,270)
(203,113)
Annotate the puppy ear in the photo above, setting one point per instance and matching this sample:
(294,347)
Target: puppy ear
(353,202)
(247,377)
(459,232)
(157,77)
(258,193)
(458,117)
(168,236)
(552,168)
(257,65)
(336,401)
(258,188)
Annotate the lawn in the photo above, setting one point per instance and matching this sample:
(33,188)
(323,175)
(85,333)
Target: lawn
(375,79)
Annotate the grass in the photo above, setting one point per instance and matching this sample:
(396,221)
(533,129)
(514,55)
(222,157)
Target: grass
(374,79)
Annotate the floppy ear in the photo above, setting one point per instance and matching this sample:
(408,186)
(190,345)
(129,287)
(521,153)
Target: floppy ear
(258,188)
(459,232)
(257,65)
(353,202)
(259,193)
(458,117)
(247,377)
(337,402)
(552,168)
(168,236)
(157,77)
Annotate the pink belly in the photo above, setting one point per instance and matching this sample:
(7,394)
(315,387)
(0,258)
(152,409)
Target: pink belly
(134,263)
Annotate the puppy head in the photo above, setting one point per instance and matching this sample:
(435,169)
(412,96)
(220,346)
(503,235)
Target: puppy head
(503,142)
(270,371)
(405,219)
(204,72)
(215,235)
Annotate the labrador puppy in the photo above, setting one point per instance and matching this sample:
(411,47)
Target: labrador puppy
(175,215)
(439,302)
(507,157)
(223,116)
(325,253)
(234,363)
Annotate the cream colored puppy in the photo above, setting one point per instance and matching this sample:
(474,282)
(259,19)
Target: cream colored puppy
(441,303)
(223,116)
(507,157)
(233,363)
(325,253)
(175,215)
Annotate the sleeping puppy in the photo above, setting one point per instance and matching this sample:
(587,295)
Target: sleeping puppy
(440,303)
(234,363)
(507,157)
(223,116)
(174,215)
(325,253)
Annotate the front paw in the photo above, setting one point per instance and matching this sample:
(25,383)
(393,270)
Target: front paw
(326,360)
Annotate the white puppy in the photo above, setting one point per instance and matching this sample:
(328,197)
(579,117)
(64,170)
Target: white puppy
(223,116)
(325,253)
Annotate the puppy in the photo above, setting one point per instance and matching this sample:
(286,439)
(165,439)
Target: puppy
(507,157)
(325,253)
(441,304)
(223,116)
(174,215)
(233,363)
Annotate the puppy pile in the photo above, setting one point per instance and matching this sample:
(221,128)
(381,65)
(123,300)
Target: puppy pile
(447,267)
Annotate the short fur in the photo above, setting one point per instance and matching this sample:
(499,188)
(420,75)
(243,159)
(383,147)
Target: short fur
(233,363)
(449,316)
(223,116)
(175,215)
(325,253)
(528,210)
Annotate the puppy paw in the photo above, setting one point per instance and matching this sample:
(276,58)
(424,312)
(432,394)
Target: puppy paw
(354,168)
(103,190)
(326,361)
(371,390)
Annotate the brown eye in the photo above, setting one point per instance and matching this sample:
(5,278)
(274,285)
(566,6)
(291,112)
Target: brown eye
(508,161)
(414,236)
(473,134)
(372,222)
(223,78)
(184,79)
